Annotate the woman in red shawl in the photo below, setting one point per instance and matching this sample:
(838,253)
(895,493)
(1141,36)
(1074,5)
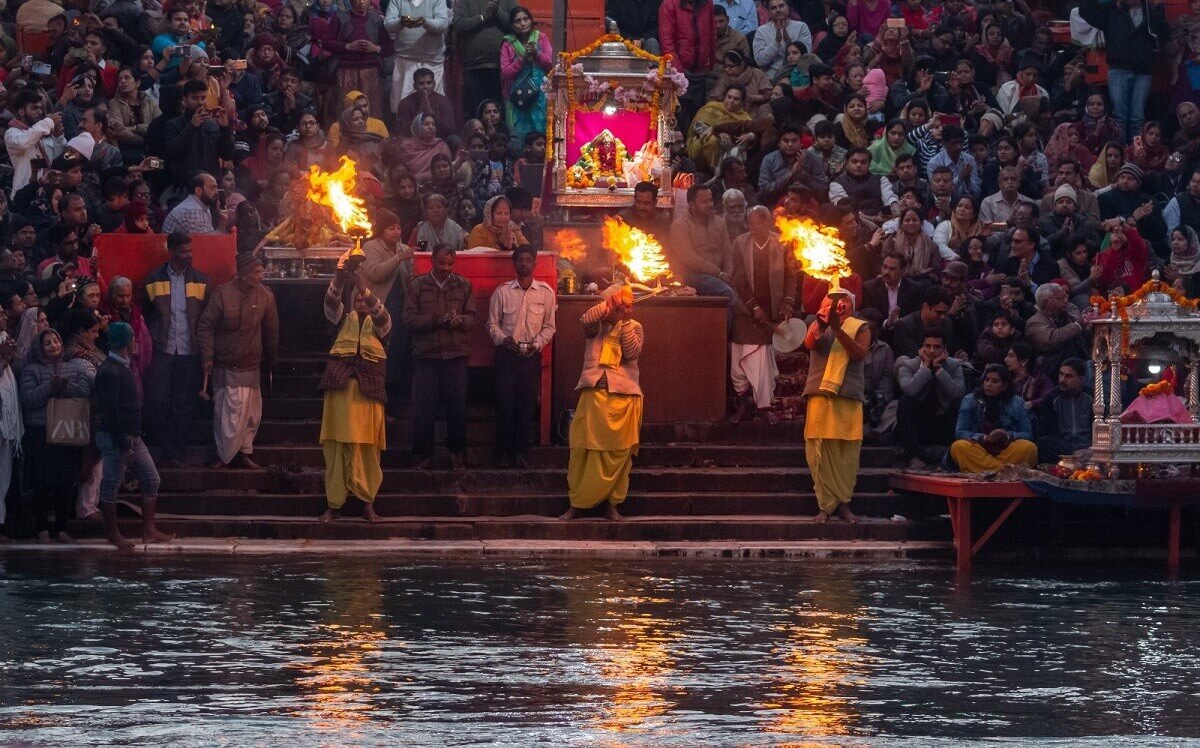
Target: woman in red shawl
(117,306)
(993,57)
(265,60)
(1148,152)
(1066,144)
(136,219)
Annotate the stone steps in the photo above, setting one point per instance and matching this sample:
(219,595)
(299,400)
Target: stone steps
(655,528)
(444,505)
(650,455)
(484,481)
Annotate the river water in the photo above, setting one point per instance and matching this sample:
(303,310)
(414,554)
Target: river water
(96,649)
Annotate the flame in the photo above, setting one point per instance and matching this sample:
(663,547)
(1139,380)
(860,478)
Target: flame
(335,189)
(639,251)
(820,252)
(571,246)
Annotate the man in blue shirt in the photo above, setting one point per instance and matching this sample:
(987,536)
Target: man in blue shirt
(743,14)
(953,155)
(178,34)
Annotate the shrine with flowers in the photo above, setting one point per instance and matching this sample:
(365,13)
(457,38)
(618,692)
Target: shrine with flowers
(611,110)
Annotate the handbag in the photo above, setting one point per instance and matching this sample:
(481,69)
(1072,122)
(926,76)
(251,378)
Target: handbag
(69,422)
(524,93)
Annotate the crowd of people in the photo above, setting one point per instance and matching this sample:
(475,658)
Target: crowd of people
(985,181)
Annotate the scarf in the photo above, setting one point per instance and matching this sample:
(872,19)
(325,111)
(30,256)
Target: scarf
(11,427)
(1188,261)
(837,362)
(26,337)
(856,132)
(1059,148)
(1000,57)
(1098,175)
(1153,158)
(922,253)
(960,231)
(418,151)
(883,157)
(506,236)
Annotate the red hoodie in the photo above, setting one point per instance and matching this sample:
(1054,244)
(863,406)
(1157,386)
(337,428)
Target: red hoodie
(1127,268)
(688,34)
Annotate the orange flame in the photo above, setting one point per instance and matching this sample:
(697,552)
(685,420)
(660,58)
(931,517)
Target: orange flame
(639,251)
(822,254)
(570,244)
(335,189)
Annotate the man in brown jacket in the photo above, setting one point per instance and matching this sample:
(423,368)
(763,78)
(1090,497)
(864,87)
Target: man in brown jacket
(238,333)
(439,314)
(764,278)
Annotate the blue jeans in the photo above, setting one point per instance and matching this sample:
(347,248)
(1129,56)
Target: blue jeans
(711,285)
(114,461)
(1128,91)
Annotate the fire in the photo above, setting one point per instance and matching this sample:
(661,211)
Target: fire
(820,252)
(637,250)
(570,244)
(335,189)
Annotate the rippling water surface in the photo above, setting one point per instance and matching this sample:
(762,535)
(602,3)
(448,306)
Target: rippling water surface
(257,650)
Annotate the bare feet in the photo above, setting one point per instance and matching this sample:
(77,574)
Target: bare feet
(329,516)
(243,461)
(821,518)
(123,544)
(612,513)
(370,515)
(845,513)
(62,537)
(44,537)
(570,514)
(152,535)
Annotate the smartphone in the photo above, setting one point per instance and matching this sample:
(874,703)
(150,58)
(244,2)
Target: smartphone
(154,162)
(478,154)
(240,65)
(40,68)
(1137,142)
(998,225)
(951,119)
(216,69)
(221,196)
(896,23)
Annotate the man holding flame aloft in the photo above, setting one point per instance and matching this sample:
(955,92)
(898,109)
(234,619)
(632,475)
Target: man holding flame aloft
(838,343)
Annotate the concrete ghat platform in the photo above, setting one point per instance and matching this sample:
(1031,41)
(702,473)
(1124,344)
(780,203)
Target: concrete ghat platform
(854,550)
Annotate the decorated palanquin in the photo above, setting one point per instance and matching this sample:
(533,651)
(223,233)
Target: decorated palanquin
(611,111)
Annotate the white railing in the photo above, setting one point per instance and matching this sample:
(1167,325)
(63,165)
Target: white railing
(1160,434)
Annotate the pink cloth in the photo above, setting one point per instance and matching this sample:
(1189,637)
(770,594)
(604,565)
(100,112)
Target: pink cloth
(1157,409)
(631,128)
(876,82)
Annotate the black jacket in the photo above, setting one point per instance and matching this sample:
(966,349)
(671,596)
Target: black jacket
(908,296)
(118,401)
(187,149)
(1129,48)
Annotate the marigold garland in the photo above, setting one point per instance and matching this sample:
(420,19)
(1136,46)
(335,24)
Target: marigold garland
(1161,387)
(1124,302)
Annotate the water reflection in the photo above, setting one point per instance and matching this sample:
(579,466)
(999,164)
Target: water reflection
(336,676)
(243,651)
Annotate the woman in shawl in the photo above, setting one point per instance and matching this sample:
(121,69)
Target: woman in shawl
(1104,172)
(353,129)
(994,56)
(1185,258)
(497,230)
(889,52)
(33,322)
(893,144)
(705,145)
(489,116)
(404,200)
(118,306)
(1066,144)
(417,152)
(1097,127)
(838,37)
(265,61)
(525,58)
(993,426)
(437,226)
(288,30)
(458,195)
(853,129)
(52,470)
(1149,152)
(738,71)
(924,259)
(963,224)
(310,147)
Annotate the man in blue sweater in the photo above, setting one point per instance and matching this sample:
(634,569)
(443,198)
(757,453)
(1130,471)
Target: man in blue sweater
(119,438)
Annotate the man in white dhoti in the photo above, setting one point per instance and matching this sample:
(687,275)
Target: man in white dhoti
(765,279)
(238,334)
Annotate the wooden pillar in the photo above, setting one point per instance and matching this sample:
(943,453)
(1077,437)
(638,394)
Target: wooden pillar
(558,38)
